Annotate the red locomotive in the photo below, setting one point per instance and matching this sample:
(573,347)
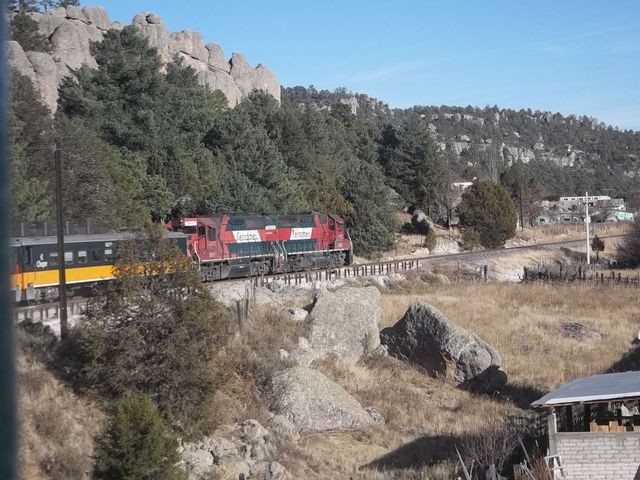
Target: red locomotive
(227,246)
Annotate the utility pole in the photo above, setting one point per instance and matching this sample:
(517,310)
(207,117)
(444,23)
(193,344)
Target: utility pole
(62,274)
(521,210)
(586,198)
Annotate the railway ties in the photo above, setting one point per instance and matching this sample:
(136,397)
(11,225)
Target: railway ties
(332,274)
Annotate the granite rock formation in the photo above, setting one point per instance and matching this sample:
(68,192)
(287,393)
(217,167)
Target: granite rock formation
(71,31)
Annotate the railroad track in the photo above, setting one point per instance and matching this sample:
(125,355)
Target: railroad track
(49,311)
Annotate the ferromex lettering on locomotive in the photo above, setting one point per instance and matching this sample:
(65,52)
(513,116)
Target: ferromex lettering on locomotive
(242,245)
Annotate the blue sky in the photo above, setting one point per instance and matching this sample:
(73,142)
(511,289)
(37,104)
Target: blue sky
(569,56)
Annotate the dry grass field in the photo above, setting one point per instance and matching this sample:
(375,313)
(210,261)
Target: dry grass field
(558,233)
(426,417)
(56,427)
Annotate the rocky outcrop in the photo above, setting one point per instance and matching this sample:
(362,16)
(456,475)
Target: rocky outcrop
(246,449)
(297,315)
(421,222)
(314,403)
(425,337)
(71,31)
(518,154)
(344,323)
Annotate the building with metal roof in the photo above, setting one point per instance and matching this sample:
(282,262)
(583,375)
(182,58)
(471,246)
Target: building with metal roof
(594,427)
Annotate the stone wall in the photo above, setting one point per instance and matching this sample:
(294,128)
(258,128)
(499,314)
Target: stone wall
(600,456)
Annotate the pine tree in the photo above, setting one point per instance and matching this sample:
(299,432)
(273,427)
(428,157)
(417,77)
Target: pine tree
(597,245)
(25,31)
(488,209)
(23,6)
(30,141)
(136,444)
(629,249)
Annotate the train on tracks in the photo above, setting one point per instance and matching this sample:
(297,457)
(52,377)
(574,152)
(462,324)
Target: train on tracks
(221,246)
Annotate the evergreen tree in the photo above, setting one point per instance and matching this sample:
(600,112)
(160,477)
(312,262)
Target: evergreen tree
(159,119)
(25,31)
(488,209)
(629,249)
(23,6)
(256,178)
(136,444)
(414,166)
(597,245)
(30,143)
(101,183)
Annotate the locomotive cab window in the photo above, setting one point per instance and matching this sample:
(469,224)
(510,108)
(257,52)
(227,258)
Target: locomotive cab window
(82,257)
(108,254)
(332,224)
(96,256)
(212,234)
(53,259)
(201,231)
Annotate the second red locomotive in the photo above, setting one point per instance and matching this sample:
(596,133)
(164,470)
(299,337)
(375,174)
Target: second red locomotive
(227,246)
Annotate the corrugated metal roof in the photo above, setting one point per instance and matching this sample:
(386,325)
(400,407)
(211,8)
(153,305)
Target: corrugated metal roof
(610,386)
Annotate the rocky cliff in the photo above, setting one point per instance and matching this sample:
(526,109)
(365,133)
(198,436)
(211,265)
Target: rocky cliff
(71,31)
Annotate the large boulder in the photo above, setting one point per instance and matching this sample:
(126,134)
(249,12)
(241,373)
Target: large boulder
(246,449)
(344,323)
(314,403)
(425,337)
(19,60)
(421,222)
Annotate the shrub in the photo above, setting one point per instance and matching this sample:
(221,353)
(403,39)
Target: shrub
(491,446)
(470,239)
(154,330)
(136,443)
(489,210)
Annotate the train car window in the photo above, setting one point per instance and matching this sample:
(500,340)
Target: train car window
(201,231)
(306,221)
(255,223)
(96,256)
(236,223)
(28,257)
(82,257)
(68,258)
(212,234)
(108,254)
(53,259)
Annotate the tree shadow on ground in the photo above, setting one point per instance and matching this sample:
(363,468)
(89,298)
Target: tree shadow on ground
(419,453)
(520,395)
(630,361)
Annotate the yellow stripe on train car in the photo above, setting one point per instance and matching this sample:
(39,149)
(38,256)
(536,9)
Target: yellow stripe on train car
(46,278)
